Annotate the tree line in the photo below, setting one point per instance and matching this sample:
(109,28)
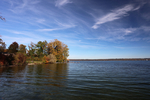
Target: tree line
(43,48)
(54,51)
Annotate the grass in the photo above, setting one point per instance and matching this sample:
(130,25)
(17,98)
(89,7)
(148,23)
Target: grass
(37,62)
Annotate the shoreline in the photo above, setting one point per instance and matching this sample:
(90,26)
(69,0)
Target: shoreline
(117,59)
(45,63)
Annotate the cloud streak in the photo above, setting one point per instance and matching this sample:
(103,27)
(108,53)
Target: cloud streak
(61,26)
(24,33)
(125,34)
(60,3)
(114,15)
(19,7)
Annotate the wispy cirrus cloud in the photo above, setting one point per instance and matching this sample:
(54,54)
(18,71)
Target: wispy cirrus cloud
(23,5)
(60,3)
(52,29)
(114,15)
(24,33)
(41,21)
(21,40)
(61,26)
(125,34)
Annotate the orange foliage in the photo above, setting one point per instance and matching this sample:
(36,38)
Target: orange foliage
(58,49)
(45,59)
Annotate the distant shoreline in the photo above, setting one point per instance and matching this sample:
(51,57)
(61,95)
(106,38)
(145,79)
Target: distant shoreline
(117,59)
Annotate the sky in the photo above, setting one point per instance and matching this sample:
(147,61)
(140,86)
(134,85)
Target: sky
(92,29)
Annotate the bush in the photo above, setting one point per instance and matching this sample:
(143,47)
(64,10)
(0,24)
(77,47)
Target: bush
(45,59)
(10,59)
(29,58)
(20,58)
(52,58)
(2,59)
(36,59)
(7,59)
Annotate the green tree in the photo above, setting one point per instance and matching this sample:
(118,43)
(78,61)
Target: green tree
(41,48)
(65,52)
(31,51)
(13,48)
(22,48)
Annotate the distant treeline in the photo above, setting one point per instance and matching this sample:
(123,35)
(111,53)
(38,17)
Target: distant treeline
(119,59)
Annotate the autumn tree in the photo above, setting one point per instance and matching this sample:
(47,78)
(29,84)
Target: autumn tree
(52,58)
(20,58)
(58,49)
(13,48)
(51,48)
(22,48)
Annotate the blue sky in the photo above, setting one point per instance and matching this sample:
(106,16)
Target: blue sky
(92,29)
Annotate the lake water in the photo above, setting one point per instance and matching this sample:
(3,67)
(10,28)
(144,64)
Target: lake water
(84,80)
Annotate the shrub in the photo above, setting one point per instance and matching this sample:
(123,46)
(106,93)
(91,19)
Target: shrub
(45,59)
(52,58)
(2,59)
(36,59)
(20,58)
(10,59)
(6,59)
(28,58)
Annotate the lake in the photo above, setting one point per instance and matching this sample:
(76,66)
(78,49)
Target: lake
(83,80)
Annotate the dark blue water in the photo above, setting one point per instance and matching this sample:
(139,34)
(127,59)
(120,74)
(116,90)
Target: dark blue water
(84,80)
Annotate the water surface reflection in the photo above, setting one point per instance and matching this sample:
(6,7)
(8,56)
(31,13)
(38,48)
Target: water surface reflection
(36,81)
(87,80)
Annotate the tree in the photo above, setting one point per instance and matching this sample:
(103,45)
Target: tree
(13,48)
(59,49)
(31,51)
(2,45)
(22,48)
(41,48)
(65,52)
(52,58)
(45,59)
(52,47)
(20,58)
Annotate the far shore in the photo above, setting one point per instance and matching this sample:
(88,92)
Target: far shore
(117,59)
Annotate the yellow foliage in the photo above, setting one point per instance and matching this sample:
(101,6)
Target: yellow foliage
(58,49)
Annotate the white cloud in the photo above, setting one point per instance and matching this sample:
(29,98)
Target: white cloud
(25,33)
(65,25)
(23,5)
(126,34)
(145,28)
(21,40)
(114,15)
(60,3)
(40,21)
(61,27)
(53,29)
(126,31)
